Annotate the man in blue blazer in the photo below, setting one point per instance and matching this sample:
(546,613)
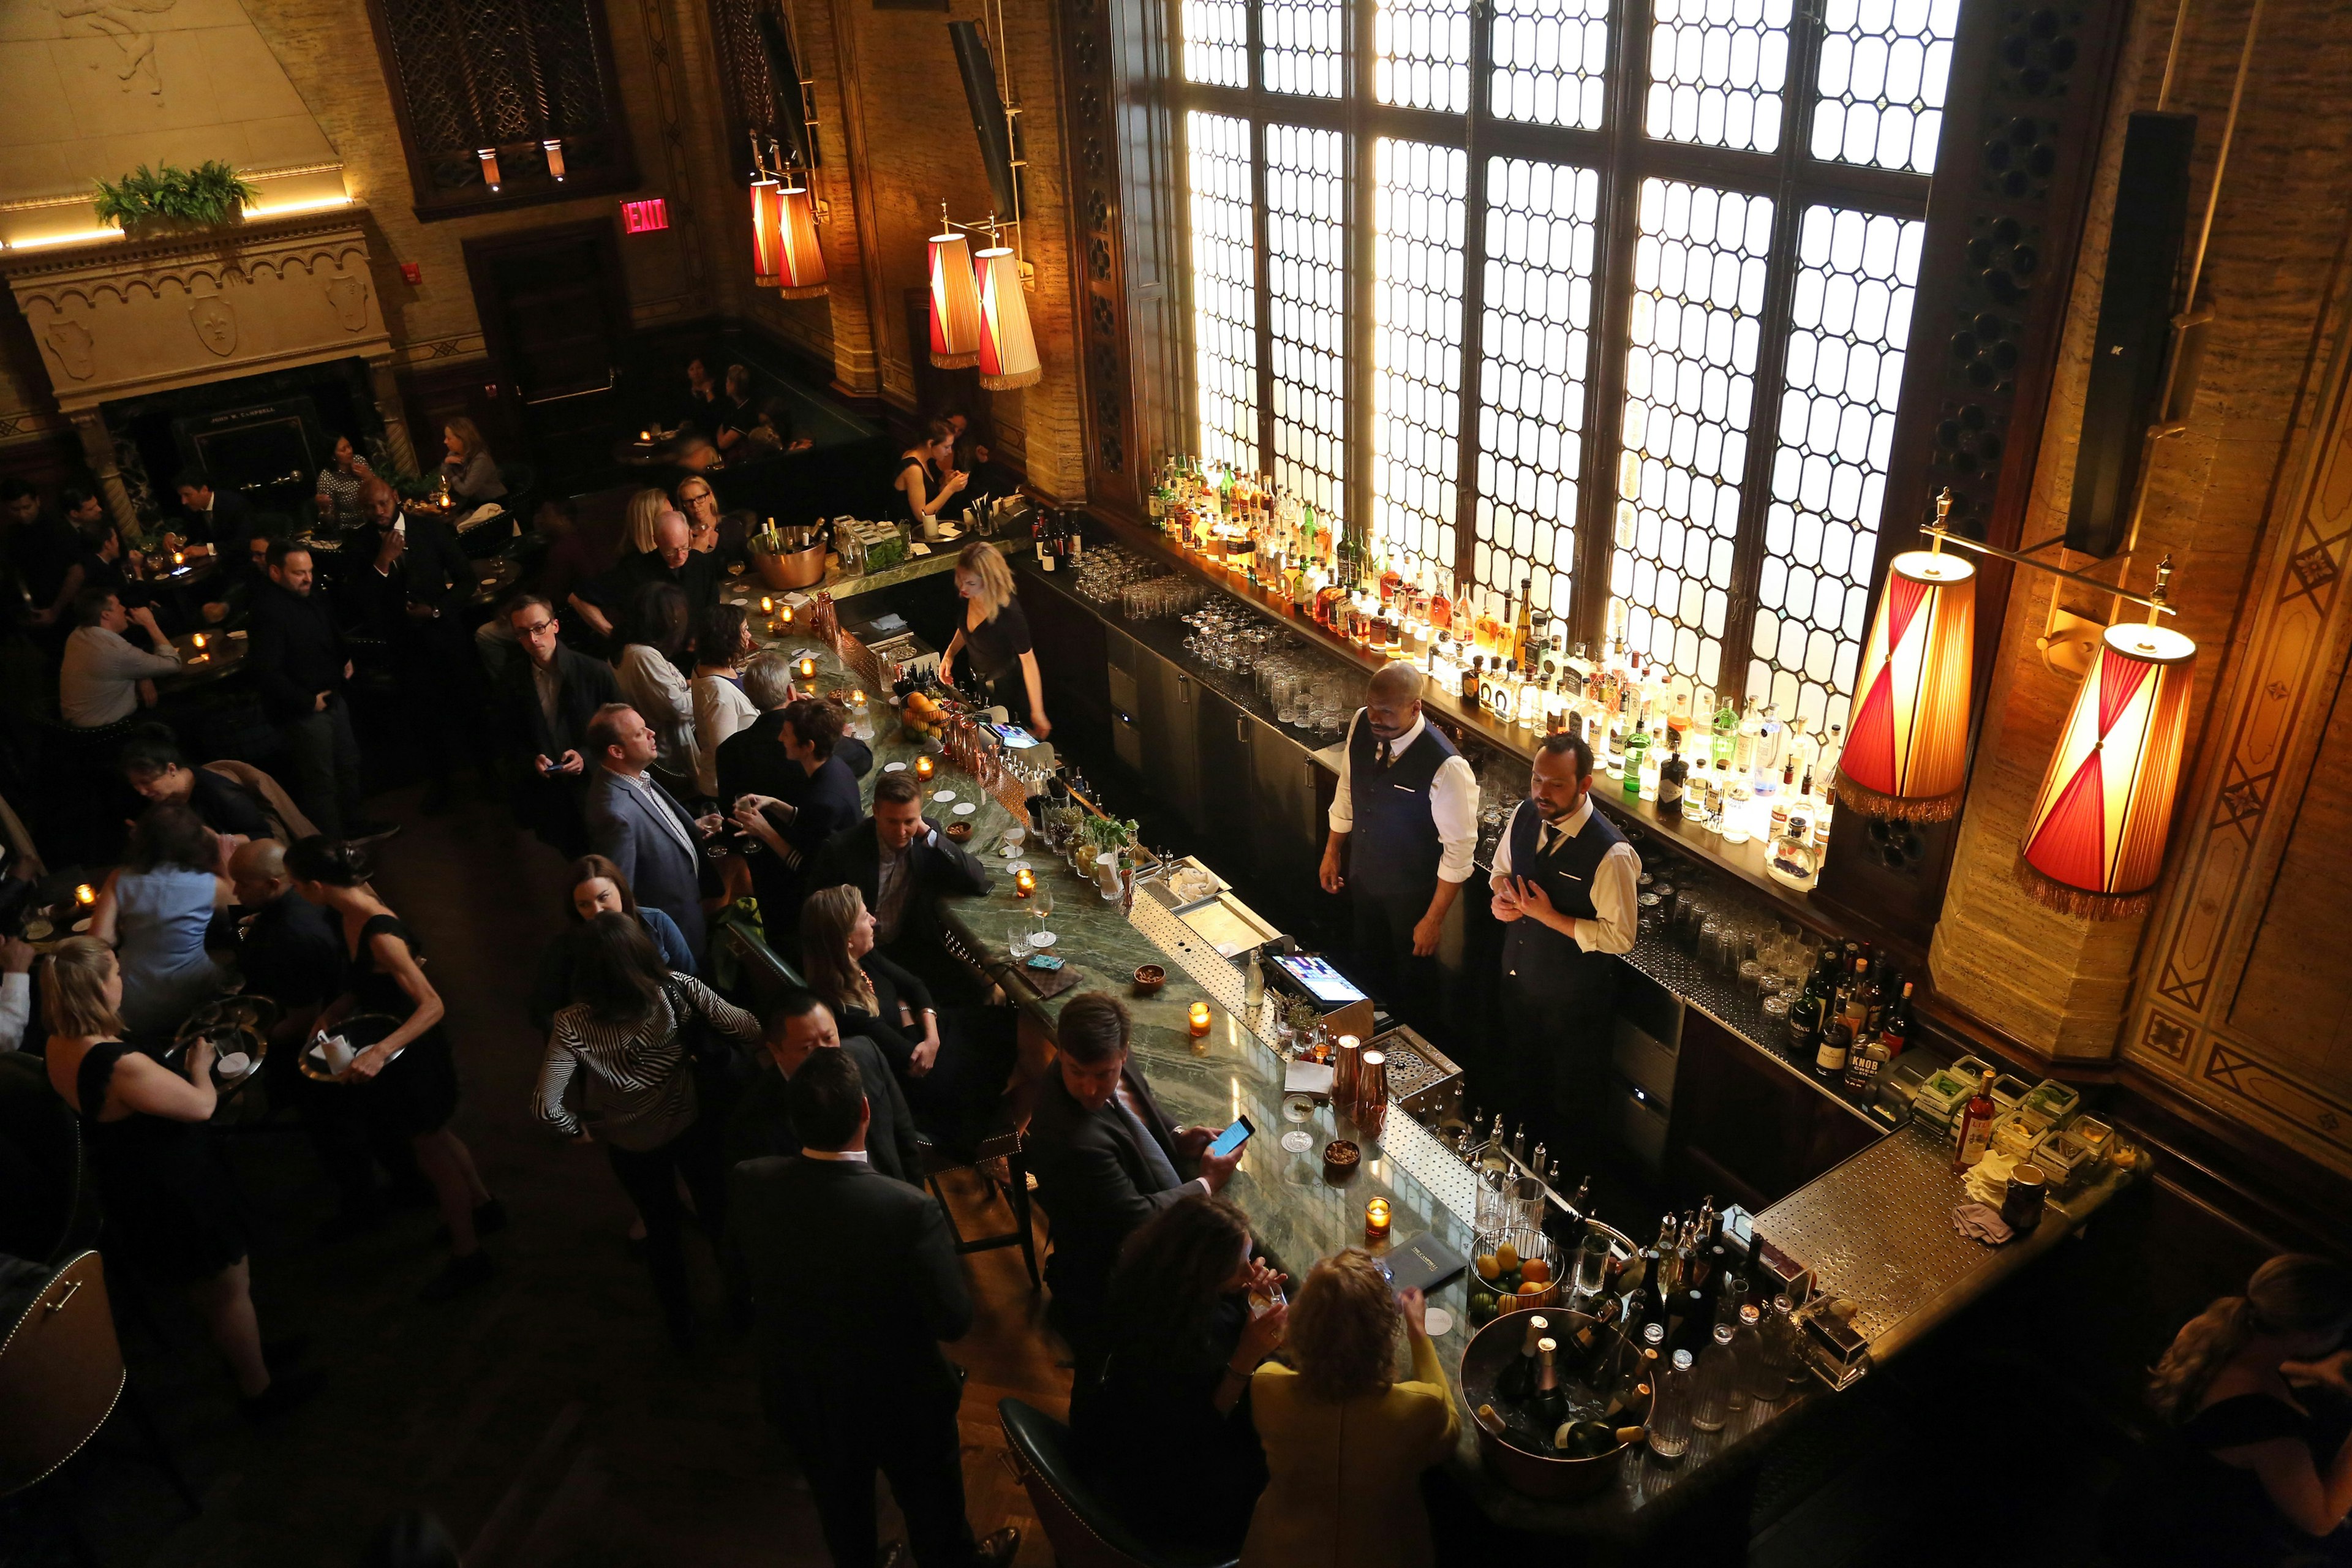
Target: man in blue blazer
(640,827)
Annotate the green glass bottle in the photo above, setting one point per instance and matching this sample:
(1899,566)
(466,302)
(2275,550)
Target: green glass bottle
(1637,747)
(1726,729)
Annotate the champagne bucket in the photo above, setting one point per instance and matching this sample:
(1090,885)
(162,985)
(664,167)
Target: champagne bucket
(799,569)
(1532,1475)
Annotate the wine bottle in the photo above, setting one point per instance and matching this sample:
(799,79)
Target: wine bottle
(1974,1129)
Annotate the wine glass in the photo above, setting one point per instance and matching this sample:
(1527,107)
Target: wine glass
(1040,910)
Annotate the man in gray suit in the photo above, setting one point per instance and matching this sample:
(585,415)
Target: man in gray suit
(640,827)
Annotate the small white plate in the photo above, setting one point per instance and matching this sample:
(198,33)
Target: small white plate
(965,808)
(893,767)
(943,794)
(81,925)
(1041,938)
(1438,1321)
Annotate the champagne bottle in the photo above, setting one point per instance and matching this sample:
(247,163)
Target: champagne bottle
(1547,1404)
(1517,1379)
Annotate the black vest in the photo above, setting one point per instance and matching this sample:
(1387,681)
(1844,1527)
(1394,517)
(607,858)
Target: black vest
(1536,957)
(1393,848)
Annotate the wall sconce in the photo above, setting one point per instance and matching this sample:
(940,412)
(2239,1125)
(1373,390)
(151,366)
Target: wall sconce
(554,148)
(489,157)
(1008,350)
(801,260)
(955,300)
(1906,749)
(767,225)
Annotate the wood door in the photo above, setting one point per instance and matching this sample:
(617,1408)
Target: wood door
(555,314)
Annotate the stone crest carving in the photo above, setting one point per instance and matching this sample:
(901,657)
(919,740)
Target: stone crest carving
(70,342)
(348,296)
(216,322)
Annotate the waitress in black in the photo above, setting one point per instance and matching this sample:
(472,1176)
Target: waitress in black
(996,634)
(1564,887)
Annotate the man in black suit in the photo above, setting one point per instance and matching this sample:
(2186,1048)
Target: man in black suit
(671,560)
(762,1122)
(300,663)
(795,830)
(412,594)
(853,1388)
(547,700)
(751,761)
(217,515)
(1107,1159)
(902,862)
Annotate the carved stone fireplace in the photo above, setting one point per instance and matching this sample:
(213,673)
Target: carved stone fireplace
(130,317)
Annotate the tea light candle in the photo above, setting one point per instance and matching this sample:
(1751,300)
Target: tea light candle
(925,767)
(1376,1220)
(178,558)
(1200,1017)
(766,604)
(1025,882)
(200,641)
(787,616)
(808,665)
(856,698)
(84,894)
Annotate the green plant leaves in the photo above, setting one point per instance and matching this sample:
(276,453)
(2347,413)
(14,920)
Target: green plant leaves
(211,192)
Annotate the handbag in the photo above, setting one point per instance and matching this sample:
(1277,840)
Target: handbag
(720,1071)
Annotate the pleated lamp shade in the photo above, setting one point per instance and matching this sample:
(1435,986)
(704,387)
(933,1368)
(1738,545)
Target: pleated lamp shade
(1907,750)
(767,233)
(1008,350)
(801,264)
(955,304)
(2095,843)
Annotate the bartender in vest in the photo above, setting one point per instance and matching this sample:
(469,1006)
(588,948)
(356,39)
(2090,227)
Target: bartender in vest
(1405,823)
(1564,884)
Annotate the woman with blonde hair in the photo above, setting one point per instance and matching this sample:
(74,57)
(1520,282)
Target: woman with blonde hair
(472,472)
(1345,1441)
(2255,1474)
(170,1204)
(995,632)
(645,509)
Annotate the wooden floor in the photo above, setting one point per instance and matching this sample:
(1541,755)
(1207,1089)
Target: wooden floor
(545,1419)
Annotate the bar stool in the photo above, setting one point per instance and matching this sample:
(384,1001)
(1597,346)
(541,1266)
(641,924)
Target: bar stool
(1012,1119)
(1084,1532)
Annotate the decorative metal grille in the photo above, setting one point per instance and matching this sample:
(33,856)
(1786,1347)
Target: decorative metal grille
(1421,54)
(1551,61)
(1850,317)
(1419,193)
(1306,239)
(1305,46)
(1690,366)
(1225,288)
(750,88)
(1536,352)
(1884,66)
(505,74)
(1716,70)
(1217,42)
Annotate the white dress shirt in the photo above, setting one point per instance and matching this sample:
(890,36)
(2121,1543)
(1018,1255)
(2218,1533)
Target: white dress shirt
(858,1155)
(1615,881)
(15,1009)
(98,680)
(1453,801)
(659,807)
(721,710)
(651,684)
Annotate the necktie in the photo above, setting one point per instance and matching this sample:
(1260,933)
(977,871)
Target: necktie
(1549,840)
(1381,761)
(1155,1158)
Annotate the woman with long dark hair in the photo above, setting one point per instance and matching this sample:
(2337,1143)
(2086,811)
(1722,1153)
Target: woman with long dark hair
(598,887)
(625,1035)
(154,911)
(406,1081)
(722,645)
(1173,1396)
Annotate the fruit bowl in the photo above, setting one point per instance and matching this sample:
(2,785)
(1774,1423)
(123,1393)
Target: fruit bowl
(1513,1270)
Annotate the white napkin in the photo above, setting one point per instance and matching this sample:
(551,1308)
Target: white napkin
(336,1052)
(237,1064)
(1988,1180)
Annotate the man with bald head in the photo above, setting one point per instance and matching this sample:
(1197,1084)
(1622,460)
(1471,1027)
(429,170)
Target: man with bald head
(1404,824)
(671,560)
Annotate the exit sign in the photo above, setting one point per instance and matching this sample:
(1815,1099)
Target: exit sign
(645,216)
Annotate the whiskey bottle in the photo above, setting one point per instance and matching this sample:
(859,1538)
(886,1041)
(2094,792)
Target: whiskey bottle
(1974,1133)
(1671,774)
(1474,676)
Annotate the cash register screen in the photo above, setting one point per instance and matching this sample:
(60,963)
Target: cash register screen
(1323,983)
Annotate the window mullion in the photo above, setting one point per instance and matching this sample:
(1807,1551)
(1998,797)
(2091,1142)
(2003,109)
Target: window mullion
(1361,246)
(1474,295)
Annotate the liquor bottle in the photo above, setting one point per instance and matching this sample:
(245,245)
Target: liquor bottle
(1808,1012)
(1896,1031)
(1440,611)
(1713,1380)
(1975,1128)
(1642,1295)
(1670,1411)
(1726,729)
(1555,709)
(1548,1404)
(1666,1274)
(1792,859)
(1629,1395)
(1837,1034)
(1769,736)
(1488,630)
(1391,581)
(1743,740)
(1516,1381)
(1671,774)
(1865,1062)
(1523,631)
(1637,756)
(1678,713)
(1474,676)
(1694,789)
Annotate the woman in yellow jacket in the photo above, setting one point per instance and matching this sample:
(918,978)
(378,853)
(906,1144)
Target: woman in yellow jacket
(1345,1442)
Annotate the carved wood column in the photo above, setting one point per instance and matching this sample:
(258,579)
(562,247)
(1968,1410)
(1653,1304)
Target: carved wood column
(97,450)
(385,386)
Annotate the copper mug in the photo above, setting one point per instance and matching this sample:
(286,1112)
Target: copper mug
(1371,1097)
(1346,1066)
(2020,1207)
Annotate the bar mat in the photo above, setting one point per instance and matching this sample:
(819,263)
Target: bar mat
(1051,983)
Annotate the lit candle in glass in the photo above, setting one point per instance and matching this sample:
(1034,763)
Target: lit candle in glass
(808,665)
(1376,1221)
(1025,882)
(84,894)
(199,642)
(179,558)
(1200,1019)
(856,698)
(925,767)
(766,604)
(788,615)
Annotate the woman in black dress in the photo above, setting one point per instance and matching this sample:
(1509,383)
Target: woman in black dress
(408,1079)
(954,1075)
(1173,1394)
(919,502)
(995,632)
(2255,1388)
(170,1204)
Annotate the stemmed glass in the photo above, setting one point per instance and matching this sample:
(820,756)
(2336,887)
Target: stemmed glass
(1041,908)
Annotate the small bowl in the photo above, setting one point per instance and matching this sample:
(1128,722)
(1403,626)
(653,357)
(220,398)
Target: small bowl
(1341,1159)
(959,830)
(1149,979)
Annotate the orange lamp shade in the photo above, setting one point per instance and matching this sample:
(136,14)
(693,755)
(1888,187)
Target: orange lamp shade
(955,304)
(2094,842)
(801,262)
(1008,350)
(767,234)
(1907,750)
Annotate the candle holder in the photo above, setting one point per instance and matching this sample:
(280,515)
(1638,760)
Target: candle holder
(786,616)
(1025,882)
(767,605)
(924,768)
(85,895)
(1376,1221)
(808,665)
(1200,1019)
(199,640)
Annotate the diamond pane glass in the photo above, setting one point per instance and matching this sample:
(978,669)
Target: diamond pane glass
(1419,212)
(1717,68)
(1849,319)
(1305,46)
(1421,54)
(1690,368)
(1551,61)
(1224,290)
(1305,207)
(1535,350)
(1217,42)
(1881,83)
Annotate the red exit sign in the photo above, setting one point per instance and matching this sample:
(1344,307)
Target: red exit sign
(645,216)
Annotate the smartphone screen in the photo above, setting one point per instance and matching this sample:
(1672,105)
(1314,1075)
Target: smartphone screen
(1233,1136)
(1015,736)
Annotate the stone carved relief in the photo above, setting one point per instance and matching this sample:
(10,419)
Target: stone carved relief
(72,345)
(348,296)
(216,323)
(124,21)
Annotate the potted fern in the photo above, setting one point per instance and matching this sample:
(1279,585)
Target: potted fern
(173,200)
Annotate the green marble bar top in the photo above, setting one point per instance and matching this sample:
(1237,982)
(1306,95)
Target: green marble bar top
(1232,1071)
(850,584)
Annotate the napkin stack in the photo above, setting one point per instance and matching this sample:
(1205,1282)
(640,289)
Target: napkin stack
(1983,1223)
(1988,1180)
